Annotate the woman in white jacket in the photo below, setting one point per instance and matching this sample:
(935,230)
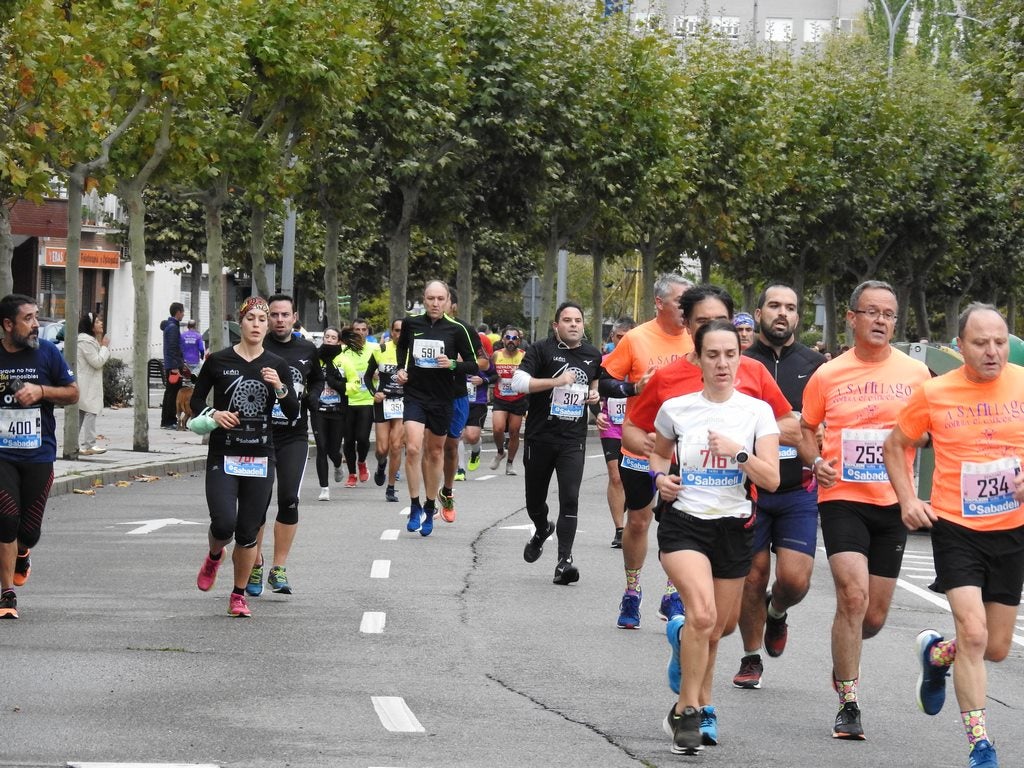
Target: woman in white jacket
(93,353)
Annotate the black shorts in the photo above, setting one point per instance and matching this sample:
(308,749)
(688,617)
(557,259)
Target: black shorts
(637,482)
(515,407)
(477,415)
(991,560)
(876,532)
(612,447)
(727,542)
(435,416)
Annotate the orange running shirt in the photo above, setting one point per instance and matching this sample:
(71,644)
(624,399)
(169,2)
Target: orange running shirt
(859,402)
(978,434)
(643,346)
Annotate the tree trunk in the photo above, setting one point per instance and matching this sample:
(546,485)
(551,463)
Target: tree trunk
(464,248)
(1011,311)
(332,225)
(597,296)
(921,311)
(195,289)
(131,196)
(6,251)
(904,296)
(707,258)
(72,300)
(749,297)
(213,205)
(952,317)
(398,250)
(648,253)
(828,291)
(258,225)
(547,278)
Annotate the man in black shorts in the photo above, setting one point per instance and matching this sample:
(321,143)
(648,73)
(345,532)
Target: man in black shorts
(33,378)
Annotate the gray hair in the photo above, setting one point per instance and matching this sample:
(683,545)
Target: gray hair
(623,325)
(970,309)
(665,281)
(869,285)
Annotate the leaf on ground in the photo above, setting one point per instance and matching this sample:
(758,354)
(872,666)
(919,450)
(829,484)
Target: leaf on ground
(146,478)
(84,492)
(122,484)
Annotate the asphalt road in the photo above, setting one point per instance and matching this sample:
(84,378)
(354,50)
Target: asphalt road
(118,658)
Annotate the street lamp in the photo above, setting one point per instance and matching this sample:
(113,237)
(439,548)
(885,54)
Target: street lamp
(894,24)
(958,15)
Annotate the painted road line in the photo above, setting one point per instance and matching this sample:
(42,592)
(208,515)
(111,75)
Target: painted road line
(404,511)
(485,477)
(381,569)
(395,715)
(373,622)
(391,534)
(938,600)
(76,764)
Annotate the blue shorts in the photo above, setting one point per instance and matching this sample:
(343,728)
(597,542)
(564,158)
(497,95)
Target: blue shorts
(460,413)
(787,520)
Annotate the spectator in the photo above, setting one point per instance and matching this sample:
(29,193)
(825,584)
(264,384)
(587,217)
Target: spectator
(173,363)
(93,353)
(192,348)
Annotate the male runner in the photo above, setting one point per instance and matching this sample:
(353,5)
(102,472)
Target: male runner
(509,406)
(857,396)
(33,378)
(975,416)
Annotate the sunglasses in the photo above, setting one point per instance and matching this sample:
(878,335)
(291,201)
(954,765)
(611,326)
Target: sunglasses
(511,338)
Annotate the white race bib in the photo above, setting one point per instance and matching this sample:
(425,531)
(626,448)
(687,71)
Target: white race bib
(567,401)
(986,489)
(330,396)
(246,466)
(426,351)
(470,390)
(617,410)
(394,408)
(505,388)
(862,456)
(21,428)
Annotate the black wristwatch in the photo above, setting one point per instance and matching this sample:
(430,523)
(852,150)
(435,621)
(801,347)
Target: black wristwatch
(742,456)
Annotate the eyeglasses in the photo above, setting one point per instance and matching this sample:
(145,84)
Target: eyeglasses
(511,338)
(873,314)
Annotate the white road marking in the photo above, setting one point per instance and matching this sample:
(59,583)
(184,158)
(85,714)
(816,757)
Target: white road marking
(391,534)
(485,477)
(74,764)
(395,715)
(939,600)
(404,511)
(381,569)
(148,526)
(527,527)
(373,622)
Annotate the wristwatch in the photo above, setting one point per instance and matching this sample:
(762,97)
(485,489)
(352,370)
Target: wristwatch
(742,456)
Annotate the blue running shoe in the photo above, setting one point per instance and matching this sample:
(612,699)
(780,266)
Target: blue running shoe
(278,580)
(428,524)
(708,725)
(671,606)
(255,585)
(983,755)
(629,611)
(672,630)
(415,513)
(931,683)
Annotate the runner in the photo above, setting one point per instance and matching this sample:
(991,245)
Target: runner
(328,412)
(720,438)
(642,351)
(747,329)
(359,414)
(428,351)
(247,383)
(476,387)
(509,406)
(609,429)
(388,407)
(976,516)
(560,375)
(33,378)
(786,521)
(857,397)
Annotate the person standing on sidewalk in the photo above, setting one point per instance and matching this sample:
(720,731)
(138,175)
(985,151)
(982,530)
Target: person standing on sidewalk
(173,365)
(975,417)
(858,396)
(248,384)
(291,441)
(93,353)
(785,520)
(33,378)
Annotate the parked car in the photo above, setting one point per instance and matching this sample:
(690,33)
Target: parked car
(52,330)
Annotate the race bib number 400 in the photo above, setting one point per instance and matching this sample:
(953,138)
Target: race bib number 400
(426,351)
(862,456)
(987,489)
(21,428)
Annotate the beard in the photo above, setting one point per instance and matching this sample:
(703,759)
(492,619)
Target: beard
(29,341)
(774,336)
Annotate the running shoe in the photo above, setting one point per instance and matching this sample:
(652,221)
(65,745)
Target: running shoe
(565,572)
(709,725)
(617,539)
(848,722)
(325,494)
(352,482)
(496,461)
(22,568)
(278,580)
(415,516)
(208,573)
(339,474)
(8,605)
(509,471)
(239,607)
(447,506)
(391,494)
(983,755)
(535,546)
(672,632)
(427,527)
(460,475)
(776,632)
(671,606)
(931,682)
(255,585)
(684,730)
(751,670)
(474,461)
(364,472)
(379,473)
(629,610)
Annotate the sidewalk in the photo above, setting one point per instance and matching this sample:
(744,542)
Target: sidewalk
(169,452)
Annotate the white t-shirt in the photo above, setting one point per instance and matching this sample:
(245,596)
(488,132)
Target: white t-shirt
(713,487)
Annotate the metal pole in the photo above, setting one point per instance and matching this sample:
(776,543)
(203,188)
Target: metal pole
(288,251)
(533,308)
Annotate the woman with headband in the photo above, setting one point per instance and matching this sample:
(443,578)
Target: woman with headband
(246,381)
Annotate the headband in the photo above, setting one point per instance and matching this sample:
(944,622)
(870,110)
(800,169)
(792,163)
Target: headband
(742,318)
(253,302)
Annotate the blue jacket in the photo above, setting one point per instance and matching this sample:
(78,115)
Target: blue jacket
(172,344)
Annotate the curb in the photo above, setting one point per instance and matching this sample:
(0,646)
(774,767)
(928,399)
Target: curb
(82,481)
